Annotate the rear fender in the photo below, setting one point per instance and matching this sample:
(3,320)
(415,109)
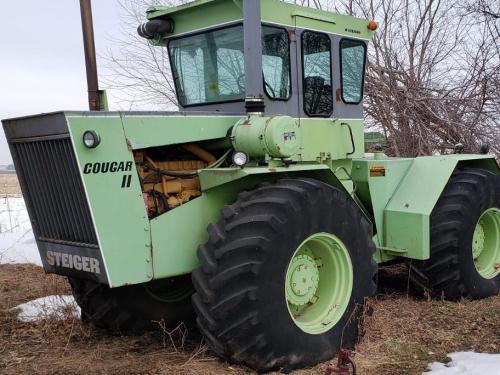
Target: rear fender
(406,217)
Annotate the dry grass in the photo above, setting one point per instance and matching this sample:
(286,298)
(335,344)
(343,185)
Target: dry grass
(403,335)
(9,185)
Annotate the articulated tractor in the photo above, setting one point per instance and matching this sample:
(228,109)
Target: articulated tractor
(253,209)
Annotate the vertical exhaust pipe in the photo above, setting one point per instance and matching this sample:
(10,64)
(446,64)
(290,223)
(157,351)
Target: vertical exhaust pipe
(90,56)
(252,37)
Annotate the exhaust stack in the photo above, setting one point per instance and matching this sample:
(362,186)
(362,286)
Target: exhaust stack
(252,31)
(90,56)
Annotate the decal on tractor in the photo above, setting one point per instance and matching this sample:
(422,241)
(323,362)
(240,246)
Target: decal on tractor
(126,180)
(288,136)
(377,171)
(73,261)
(108,167)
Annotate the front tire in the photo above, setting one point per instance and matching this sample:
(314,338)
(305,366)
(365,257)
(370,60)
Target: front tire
(248,307)
(136,308)
(465,240)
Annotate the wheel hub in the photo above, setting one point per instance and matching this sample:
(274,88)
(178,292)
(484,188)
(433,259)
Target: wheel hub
(478,241)
(303,279)
(318,283)
(486,244)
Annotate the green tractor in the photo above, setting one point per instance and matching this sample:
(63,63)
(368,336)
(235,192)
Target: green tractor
(253,209)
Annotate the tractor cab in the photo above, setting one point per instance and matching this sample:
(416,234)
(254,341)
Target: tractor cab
(263,56)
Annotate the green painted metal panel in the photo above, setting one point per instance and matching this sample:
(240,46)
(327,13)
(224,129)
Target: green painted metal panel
(403,197)
(119,213)
(203,13)
(199,14)
(376,191)
(331,139)
(322,139)
(144,131)
(314,19)
(178,233)
(407,234)
(211,178)
(407,215)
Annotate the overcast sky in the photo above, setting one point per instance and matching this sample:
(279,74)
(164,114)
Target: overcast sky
(42,66)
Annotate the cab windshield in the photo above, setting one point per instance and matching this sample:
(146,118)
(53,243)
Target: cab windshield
(210,67)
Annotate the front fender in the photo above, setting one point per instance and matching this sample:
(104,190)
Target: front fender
(177,234)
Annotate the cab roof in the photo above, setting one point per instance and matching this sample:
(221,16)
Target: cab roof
(203,14)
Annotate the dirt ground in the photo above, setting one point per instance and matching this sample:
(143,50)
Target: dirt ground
(403,335)
(9,184)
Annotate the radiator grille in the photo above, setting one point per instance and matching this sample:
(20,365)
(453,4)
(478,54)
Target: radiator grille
(54,190)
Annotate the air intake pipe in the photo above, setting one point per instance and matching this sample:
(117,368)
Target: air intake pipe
(155,28)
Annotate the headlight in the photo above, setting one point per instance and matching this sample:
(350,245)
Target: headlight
(240,158)
(91,139)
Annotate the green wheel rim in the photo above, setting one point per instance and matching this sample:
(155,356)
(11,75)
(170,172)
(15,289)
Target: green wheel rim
(318,283)
(486,244)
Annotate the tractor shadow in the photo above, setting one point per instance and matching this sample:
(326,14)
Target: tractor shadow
(394,279)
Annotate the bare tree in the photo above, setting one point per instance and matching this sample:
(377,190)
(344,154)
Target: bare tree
(432,78)
(139,72)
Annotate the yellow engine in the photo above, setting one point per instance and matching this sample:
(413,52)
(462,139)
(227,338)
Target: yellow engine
(167,184)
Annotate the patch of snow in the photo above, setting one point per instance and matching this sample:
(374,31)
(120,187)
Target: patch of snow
(19,247)
(17,243)
(50,307)
(467,363)
(13,214)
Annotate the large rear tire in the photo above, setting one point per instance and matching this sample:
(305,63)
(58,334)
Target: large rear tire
(284,276)
(465,240)
(135,308)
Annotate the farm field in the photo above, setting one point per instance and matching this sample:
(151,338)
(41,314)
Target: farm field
(9,184)
(402,336)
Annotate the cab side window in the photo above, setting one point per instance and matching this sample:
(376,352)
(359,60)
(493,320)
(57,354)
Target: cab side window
(276,62)
(317,76)
(352,70)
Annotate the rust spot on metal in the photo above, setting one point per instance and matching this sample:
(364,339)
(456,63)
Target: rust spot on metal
(129,145)
(338,95)
(345,364)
